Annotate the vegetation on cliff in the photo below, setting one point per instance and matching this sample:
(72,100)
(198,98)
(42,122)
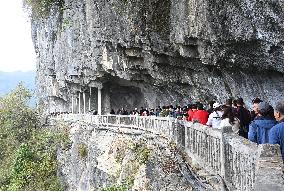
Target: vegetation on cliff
(41,8)
(28,151)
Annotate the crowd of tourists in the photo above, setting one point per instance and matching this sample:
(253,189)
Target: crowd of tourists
(263,124)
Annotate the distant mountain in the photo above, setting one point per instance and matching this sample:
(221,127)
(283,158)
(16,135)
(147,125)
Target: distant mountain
(9,80)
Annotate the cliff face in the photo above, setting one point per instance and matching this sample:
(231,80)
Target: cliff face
(155,52)
(101,158)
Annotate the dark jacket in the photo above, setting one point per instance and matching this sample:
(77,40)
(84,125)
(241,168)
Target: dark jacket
(276,136)
(243,115)
(259,129)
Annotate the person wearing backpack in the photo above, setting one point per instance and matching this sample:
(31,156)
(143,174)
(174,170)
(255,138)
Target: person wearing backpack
(244,116)
(261,125)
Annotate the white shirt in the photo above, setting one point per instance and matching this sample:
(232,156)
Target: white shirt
(235,127)
(214,119)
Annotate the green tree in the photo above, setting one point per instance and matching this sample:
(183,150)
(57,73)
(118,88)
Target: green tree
(14,109)
(27,151)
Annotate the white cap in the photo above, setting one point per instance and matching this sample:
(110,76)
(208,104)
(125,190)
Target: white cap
(215,105)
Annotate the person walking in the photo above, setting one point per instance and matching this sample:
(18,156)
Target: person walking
(191,110)
(211,107)
(254,111)
(276,134)
(200,116)
(244,116)
(214,118)
(259,128)
(229,120)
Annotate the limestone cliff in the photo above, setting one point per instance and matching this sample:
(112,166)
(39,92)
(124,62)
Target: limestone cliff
(100,158)
(155,52)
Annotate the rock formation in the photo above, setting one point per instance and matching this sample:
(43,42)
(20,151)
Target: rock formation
(100,158)
(154,52)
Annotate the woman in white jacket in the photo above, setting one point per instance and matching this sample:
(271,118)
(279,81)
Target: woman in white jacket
(214,118)
(229,120)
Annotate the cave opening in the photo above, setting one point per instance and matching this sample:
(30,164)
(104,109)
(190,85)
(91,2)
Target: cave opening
(124,94)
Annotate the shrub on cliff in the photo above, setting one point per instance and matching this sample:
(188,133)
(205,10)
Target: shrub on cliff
(27,152)
(41,8)
(14,109)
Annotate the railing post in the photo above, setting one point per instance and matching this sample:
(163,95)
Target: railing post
(153,124)
(108,121)
(224,131)
(118,121)
(169,130)
(137,121)
(131,122)
(172,130)
(185,137)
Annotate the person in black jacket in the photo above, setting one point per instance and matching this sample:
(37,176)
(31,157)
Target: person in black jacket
(211,109)
(254,111)
(244,116)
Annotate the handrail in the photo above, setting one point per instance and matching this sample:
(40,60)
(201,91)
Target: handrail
(220,152)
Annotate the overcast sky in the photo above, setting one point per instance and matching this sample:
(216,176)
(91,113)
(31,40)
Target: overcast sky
(16,48)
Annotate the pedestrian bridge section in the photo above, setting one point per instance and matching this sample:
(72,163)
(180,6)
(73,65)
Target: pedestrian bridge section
(243,165)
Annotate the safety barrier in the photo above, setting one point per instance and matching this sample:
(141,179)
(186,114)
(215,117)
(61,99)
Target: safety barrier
(238,161)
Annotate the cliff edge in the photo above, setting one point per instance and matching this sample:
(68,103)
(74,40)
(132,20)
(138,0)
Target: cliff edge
(155,52)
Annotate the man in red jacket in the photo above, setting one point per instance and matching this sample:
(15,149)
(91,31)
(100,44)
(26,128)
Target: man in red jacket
(200,115)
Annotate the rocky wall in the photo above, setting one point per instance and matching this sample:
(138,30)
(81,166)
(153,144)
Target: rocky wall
(98,159)
(160,51)
(109,145)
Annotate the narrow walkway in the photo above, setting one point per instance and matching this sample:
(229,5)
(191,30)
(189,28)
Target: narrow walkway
(243,165)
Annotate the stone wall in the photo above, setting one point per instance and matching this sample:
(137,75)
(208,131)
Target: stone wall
(243,165)
(101,155)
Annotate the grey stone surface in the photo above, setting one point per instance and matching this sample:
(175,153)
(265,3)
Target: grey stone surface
(155,52)
(269,169)
(235,162)
(111,160)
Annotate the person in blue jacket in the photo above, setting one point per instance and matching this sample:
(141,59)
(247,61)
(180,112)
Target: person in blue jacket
(276,134)
(259,128)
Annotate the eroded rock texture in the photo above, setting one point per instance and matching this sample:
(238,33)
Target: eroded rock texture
(155,52)
(99,158)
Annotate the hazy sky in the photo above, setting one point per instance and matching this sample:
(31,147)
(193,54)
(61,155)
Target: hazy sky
(16,48)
